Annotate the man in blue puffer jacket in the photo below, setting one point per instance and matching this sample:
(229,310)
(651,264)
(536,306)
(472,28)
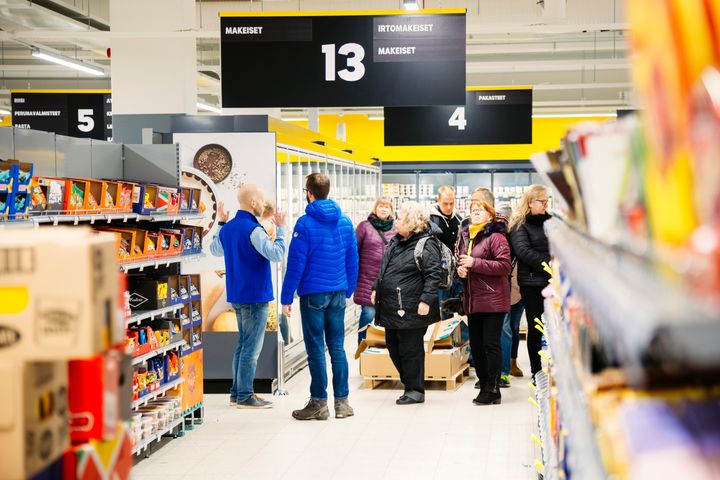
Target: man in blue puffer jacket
(322,267)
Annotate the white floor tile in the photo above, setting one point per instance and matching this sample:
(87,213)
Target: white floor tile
(446,438)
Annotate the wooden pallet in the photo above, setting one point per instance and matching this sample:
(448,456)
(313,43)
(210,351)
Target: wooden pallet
(450,383)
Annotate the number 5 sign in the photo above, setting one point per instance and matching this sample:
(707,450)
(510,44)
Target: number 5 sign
(326,59)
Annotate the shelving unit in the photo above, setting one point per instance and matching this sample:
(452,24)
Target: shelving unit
(152,314)
(158,351)
(159,262)
(137,449)
(157,393)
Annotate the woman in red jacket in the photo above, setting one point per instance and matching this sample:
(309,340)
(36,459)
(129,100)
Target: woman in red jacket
(484,266)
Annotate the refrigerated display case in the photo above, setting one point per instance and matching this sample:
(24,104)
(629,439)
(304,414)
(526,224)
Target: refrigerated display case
(507,183)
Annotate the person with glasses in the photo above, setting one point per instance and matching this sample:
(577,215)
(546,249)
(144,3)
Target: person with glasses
(530,246)
(484,266)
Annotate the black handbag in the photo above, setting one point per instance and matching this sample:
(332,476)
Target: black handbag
(455,305)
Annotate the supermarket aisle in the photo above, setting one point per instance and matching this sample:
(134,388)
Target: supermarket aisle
(446,438)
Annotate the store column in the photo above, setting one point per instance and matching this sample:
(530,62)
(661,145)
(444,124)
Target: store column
(153,62)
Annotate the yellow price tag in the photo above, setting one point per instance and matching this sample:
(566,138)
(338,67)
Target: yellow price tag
(536,439)
(532,386)
(546,356)
(539,322)
(547,268)
(541,329)
(539,466)
(532,400)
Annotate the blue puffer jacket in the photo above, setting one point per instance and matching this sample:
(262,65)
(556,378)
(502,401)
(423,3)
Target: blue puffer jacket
(323,253)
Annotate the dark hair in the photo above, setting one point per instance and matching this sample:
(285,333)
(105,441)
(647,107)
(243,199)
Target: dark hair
(319,185)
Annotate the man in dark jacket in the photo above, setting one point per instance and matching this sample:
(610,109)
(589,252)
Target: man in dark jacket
(444,217)
(322,267)
(248,251)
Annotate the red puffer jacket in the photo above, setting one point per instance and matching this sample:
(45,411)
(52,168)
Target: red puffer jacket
(487,286)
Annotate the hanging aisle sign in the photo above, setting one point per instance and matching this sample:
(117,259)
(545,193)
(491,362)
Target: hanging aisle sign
(76,113)
(340,59)
(500,116)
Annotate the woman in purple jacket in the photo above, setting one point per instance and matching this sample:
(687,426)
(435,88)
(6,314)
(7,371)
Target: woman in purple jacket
(484,266)
(373,236)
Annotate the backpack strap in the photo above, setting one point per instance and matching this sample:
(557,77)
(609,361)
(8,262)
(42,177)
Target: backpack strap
(382,236)
(419,247)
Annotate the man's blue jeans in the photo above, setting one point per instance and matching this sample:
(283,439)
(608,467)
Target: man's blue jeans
(510,337)
(452,292)
(323,320)
(251,320)
(367,315)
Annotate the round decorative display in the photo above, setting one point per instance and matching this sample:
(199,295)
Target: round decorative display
(208,197)
(214,161)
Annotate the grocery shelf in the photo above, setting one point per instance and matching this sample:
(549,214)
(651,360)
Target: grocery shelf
(650,325)
(152,314)
(157,436)
(583,456)
(158,393)
(159,262)
(158,351)
(549,455)
(93,218)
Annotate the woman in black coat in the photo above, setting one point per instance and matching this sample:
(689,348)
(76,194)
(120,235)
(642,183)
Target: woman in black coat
(530,246)
(406,297)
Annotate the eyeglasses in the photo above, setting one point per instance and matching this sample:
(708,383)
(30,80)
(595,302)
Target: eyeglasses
(543,202)
(477,210)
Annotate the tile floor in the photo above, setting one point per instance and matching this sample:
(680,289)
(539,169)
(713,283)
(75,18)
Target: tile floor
(445,438)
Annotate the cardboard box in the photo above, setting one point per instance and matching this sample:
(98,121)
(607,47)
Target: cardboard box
(76,193)
(4,205)
(101,460)
(58,294)
(125,198)
(189,200)
(168,201)
(191,390)
(7,176)
(94,397)
(193,284)
(148,294)
(125,388)
(94,197)
(449,333)
(439,363)
(124,240)
(145,198)
(19,205)
(33,417)
(15,176)
(47,194)
(174,290)
(176,240)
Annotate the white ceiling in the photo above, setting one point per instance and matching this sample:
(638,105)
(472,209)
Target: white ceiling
(574,52)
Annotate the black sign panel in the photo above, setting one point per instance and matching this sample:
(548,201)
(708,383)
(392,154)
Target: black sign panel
(83,115)
(352,60)
(489,117)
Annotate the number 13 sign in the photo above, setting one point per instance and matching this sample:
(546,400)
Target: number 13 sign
(343,59)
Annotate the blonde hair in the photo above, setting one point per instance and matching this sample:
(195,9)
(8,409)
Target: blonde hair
(269,208)
(445,190)
(485,206)
(523,209)
(414,216)
(381,201)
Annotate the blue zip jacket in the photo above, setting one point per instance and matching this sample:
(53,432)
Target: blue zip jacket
(323,253)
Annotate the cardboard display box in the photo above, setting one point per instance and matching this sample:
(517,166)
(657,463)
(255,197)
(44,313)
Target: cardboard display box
(94,397)
(15,176)
(191,390)
(439,363)
(449,333)
(76,193)
(58,294)
(101,460)
(47,194)
(145,198)
(168,201)
(33,417)
(189,200)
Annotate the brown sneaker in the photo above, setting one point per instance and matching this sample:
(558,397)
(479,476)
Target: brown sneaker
(314,410)
(343,409)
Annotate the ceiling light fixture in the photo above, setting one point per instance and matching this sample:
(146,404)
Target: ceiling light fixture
(66,62)
(208,108)
(575,115)
(296,119)
(5,112)
(412,5)
(376,117)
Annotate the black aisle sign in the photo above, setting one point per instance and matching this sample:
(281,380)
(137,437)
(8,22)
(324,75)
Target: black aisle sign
(76,114)
(343,60)
(489,117)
